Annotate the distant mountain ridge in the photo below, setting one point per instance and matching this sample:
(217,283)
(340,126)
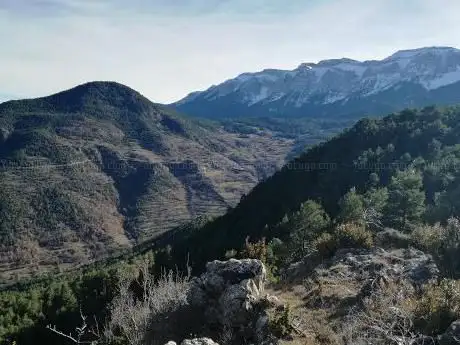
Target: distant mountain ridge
(336,87)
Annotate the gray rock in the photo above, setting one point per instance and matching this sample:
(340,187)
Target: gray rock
(199,341)
(171,343)
(231,295)
(234,271)
(261,328)
(362,272)
(410,264)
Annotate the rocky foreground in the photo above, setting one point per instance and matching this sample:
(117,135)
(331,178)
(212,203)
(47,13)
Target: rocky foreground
(357,296)
(232,299)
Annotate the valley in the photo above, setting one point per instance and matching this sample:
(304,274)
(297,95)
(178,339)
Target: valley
(314,206)
(99,168)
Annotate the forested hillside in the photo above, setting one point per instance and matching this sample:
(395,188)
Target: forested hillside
(98,168)
(412,156)
(348,213)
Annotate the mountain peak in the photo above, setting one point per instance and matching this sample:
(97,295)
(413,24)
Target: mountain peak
(333,62)
(410,53)
(92,97)
(100,85)
(102,90)
(96,95)
(326,63)
(306,65)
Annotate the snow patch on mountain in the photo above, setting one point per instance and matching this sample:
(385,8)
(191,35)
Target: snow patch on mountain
(334,98)
(263,94)
(443,80)
(337,80)
(411,53)
(357,68)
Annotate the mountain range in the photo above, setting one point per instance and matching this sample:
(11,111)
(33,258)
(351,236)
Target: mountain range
(336,88)
(99,167)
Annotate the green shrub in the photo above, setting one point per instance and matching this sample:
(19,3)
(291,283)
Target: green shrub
(325,245)
(349,235)
(280,322)
(277,258)
(256,250)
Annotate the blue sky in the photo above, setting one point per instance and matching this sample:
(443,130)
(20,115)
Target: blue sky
(168,48)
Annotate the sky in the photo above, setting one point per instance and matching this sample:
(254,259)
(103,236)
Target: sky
(166,49)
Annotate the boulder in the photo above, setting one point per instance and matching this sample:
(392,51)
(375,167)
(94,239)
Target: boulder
(410,264)
(231,296)
(235,271)
(228,289)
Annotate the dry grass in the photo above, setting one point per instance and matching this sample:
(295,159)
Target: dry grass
(319,307)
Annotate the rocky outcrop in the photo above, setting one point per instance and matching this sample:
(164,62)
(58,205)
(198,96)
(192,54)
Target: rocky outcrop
(408,264)
(352,276)
(361,264)
(231,297)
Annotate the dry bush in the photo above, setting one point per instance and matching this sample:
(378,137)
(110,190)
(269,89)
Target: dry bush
(438,306)
(443,242)
(353,235)
(82,334)
(348,235)
(428,237)
(325,245)
(231,254)
(326,335)
(386,317)
(134,311)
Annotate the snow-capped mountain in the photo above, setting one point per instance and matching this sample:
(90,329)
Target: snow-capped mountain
(408,78)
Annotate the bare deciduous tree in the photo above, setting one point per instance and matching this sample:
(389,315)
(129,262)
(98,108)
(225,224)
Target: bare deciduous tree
(131,315)
(372,218)
(82,332)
